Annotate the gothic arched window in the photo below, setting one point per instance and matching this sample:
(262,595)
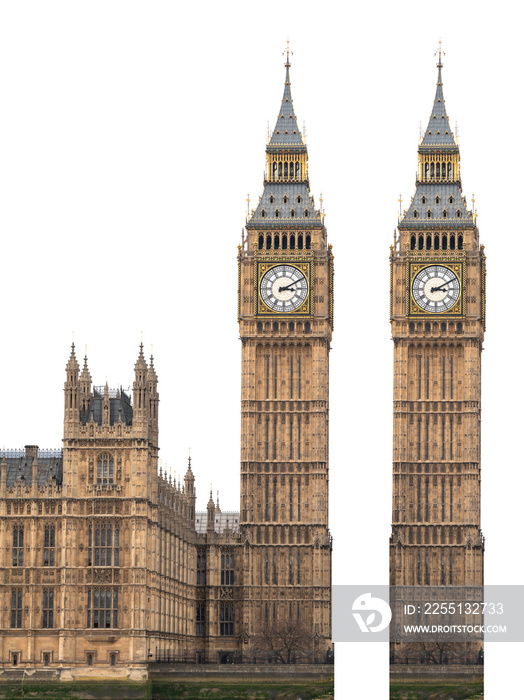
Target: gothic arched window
(104,474)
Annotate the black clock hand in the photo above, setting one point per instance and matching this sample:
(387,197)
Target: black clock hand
(436,289)
(283,289)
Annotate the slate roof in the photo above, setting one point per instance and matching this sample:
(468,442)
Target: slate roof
(119,406)
(286,131)
(279,190)
(24,466)
(286,136)
(457,212)
(438,132)
(222,521)
(437,194)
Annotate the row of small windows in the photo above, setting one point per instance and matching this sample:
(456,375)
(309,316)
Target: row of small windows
(46,658)
(287,171)
(444,170)
(103,545)
(18,545)
(273,241)
(429,214)
(292,214)
(102,608)
(437,241)
(48,605)
(285,199)
(427,327)
(265,327)
(437,199)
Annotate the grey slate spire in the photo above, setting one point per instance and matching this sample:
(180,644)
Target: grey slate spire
(286,131)
(438,132)
(286,200)
(438,200)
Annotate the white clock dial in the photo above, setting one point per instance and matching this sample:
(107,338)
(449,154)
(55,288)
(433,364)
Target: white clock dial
(284,288)
(436,289)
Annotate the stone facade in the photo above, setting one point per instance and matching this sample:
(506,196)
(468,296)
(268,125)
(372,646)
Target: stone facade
(106,566)
(438,331)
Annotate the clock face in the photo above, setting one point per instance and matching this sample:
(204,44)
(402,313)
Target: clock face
(436,289)
(283,288)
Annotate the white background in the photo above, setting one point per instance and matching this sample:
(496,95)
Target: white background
(130,135)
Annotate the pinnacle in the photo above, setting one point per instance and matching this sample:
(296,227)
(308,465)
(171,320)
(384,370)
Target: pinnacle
(141,361)
(72,363)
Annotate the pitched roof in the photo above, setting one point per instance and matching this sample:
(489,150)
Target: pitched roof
(444,202)
(304,211)
(438,132)
(286,131)
(18,464)
(286,202)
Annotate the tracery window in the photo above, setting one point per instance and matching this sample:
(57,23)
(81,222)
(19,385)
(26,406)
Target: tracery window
(227,573)
(105,469)
(48,608)
(226,620)
(201,567)
(103,545)
(18,545)
(49,545)
(16,608)
(102,608)
(200,619)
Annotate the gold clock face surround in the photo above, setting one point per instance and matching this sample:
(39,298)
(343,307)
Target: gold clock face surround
(283,287)
(435,288)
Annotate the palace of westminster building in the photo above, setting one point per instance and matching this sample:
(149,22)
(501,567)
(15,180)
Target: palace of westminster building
(104,561)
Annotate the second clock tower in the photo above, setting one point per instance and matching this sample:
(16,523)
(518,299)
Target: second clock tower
(285,300)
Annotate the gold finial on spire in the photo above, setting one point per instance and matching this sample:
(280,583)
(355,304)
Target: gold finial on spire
(440,53)
(287,51)
(248,200)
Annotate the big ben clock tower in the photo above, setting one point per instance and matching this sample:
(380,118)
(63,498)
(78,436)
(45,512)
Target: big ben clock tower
(285,313)
(438,321)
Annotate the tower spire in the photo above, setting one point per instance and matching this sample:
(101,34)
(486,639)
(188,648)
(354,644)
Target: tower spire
(286,200)
(287,51)
(438,196)
(438,132)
